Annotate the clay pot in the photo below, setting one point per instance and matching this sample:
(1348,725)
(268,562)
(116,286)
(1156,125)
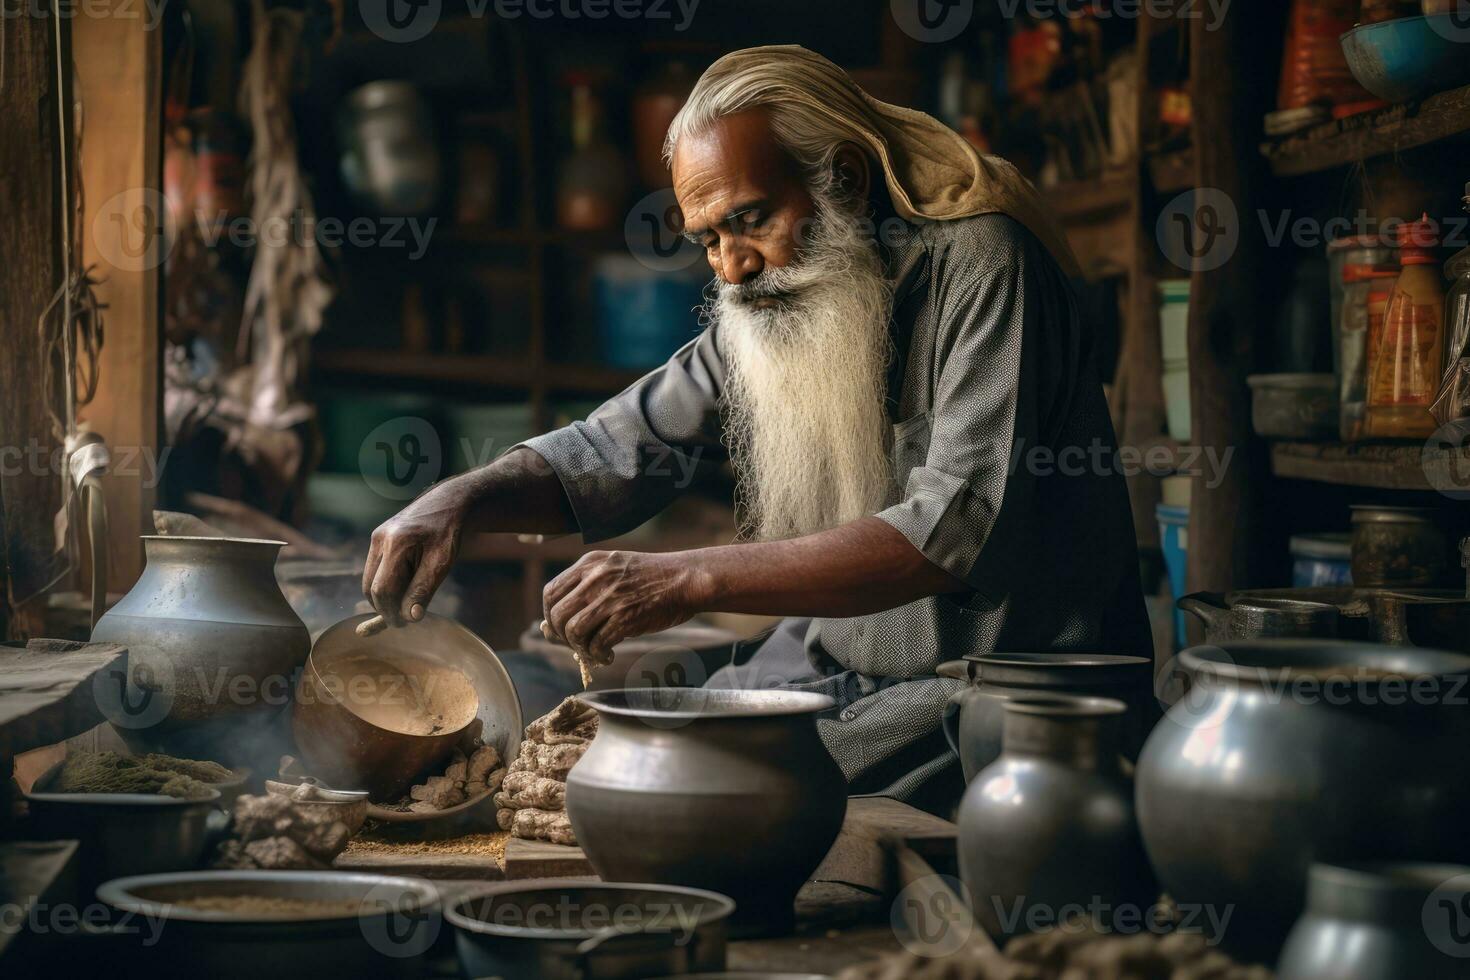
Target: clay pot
(731,791)
(974,718)
(1380,922)
(212,648)
(1286,752)
(1049,826)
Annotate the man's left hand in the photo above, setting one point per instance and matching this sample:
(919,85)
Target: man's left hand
(609,596)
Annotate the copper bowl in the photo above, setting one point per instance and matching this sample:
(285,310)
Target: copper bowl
(380,712)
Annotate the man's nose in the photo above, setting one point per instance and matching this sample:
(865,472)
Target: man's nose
(738,264)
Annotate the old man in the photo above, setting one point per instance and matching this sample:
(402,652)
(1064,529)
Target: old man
(893,363)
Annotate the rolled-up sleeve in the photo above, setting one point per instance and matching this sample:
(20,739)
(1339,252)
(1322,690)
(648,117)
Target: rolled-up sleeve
(953,506)
(631,457)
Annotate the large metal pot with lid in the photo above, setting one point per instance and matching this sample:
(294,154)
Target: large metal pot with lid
(974,717)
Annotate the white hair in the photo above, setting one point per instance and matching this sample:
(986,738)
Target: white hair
(813,107)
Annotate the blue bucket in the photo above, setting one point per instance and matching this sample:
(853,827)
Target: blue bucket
(1174,538)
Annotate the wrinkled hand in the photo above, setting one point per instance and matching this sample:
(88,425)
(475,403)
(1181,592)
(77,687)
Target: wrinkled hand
(409,559)
(608,596)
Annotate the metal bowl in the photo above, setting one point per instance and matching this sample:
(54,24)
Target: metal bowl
(684,656)
(581,927)
(394,923)
(439,658)
(347,806)
(128,833)
(1408,57)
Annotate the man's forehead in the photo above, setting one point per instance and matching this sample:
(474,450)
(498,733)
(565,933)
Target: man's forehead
(736,159)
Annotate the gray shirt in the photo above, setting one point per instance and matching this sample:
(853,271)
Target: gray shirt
(1004,455)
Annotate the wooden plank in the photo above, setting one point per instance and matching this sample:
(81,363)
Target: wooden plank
(1391,130)
(872,830)
(119,82)
(1385,467)
(46,692)
(538,859)
(30,272)
(34,876)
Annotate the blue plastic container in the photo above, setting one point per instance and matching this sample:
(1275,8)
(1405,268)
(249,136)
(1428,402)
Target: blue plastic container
(1321,559)
(1174,539)
(644,315)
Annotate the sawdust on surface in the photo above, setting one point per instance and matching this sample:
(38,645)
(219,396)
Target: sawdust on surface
(491,846)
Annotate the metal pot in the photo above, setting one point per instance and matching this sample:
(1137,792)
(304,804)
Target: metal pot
(1287,752)
(128,833)
(1434,618)
(390,154)
(212,647)
(1049,825)
(974,717)
(1380,922)
(385,925)
(1399,547)
(1257,618)
(577,930)
(727,790)
(361,703)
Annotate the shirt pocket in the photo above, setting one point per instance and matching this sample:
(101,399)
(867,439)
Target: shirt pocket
(910,447)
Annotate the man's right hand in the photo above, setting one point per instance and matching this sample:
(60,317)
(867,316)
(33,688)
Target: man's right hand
(411,555)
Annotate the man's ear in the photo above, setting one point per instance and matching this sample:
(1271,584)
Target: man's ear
(852,171)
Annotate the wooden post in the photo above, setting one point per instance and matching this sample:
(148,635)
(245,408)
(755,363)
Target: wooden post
(1227,304)
(118,63)
(30,272)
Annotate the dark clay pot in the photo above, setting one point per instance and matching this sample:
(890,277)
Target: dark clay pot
(1287,752)
(1049,826)
(1381,922)
(973,720)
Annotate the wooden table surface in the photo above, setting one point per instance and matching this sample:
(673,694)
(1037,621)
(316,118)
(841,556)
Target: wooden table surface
(842,913)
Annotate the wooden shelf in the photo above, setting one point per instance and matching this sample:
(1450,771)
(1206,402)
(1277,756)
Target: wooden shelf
(1371,134)
(499,372)
(1382,466)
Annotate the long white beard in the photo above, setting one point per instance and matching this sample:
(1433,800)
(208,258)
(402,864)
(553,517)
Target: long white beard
(805,384)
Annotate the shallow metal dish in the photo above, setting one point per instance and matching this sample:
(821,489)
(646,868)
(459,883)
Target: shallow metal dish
(395,924)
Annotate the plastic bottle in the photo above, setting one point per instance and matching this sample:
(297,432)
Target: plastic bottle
(1405,373)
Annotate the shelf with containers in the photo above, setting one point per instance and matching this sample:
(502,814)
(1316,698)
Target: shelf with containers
(1285,499)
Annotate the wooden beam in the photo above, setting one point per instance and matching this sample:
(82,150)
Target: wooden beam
(118,63)
(30,272)
(1226,307)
